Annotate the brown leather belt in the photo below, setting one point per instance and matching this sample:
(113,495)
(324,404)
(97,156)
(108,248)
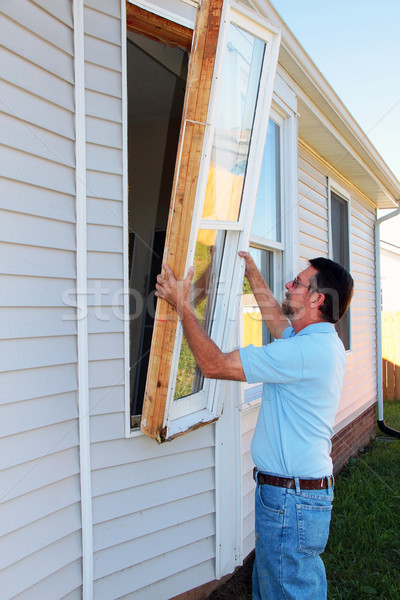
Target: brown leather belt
(289,482)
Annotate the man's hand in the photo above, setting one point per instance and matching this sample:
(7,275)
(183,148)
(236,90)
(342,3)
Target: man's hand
(175,292)
(251,269)
(271,311)
(213,363)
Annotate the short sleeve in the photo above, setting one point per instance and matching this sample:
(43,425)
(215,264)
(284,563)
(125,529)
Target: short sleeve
(278,362)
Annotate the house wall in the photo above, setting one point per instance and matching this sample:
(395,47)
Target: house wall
(249,418)
(39,457)
(155,523)
(359,387)
(150,503)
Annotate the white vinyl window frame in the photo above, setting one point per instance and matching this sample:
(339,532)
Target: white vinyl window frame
(336,188)
(206,405)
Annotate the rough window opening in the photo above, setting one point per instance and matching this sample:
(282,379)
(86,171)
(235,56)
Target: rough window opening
(157,77)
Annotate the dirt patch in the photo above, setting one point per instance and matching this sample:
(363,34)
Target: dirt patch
(238,587)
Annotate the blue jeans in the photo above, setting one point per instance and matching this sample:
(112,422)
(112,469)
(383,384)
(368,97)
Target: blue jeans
(292,529)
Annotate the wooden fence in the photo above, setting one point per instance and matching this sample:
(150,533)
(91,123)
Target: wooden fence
(391,354)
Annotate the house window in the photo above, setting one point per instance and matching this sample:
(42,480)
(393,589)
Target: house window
(267,215)
(340,252)
(266,235)
(204,220)
(266,240)
(254,329)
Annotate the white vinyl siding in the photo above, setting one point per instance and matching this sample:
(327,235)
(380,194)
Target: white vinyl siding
(153,506)
(39,477)
(313,211)
(154,514)
(359,388)
(249,418)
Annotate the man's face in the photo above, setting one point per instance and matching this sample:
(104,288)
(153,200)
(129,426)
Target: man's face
(297,301)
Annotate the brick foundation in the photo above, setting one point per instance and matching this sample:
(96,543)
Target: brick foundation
(351,438)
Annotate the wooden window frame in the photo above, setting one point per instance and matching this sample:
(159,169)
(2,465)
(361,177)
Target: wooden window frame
(194,136)
(158,28)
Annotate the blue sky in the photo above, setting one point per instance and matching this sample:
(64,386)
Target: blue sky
(356,46)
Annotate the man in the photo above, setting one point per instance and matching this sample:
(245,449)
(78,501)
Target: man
(302,372)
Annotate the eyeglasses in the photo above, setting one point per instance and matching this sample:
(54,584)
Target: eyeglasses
(296,283)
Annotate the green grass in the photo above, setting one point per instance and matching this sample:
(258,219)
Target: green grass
(362,558)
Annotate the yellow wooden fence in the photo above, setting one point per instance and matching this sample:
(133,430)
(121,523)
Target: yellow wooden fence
(391,354)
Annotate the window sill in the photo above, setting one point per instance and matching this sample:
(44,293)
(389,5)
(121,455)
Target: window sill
(180,425)
(189,422)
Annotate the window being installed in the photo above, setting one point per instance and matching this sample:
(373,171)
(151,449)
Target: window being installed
(340,252)
(201,212)
(156,77)
(225,181)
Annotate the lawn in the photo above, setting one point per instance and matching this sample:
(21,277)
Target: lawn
(362,558)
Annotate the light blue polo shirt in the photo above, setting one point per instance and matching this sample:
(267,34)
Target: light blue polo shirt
(302,376)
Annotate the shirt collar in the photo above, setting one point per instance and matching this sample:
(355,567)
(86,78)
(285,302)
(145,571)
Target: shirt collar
(323,327)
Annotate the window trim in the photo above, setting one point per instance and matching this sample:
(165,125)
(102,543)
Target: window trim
(336,188)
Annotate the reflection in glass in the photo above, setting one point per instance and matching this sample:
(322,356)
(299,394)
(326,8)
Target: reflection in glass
(207,265)
(234,123)
(267,215)
(254,329)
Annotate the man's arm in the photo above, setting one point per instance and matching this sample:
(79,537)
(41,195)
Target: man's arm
(271,311)
(213,363)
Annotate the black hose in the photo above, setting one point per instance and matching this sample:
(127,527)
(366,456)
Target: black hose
(393,432)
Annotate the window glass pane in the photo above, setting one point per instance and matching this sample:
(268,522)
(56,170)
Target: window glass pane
(234,123)
(254,329)
(267,215)
(207,263)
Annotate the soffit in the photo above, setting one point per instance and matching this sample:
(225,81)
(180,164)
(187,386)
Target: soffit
(331,131)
